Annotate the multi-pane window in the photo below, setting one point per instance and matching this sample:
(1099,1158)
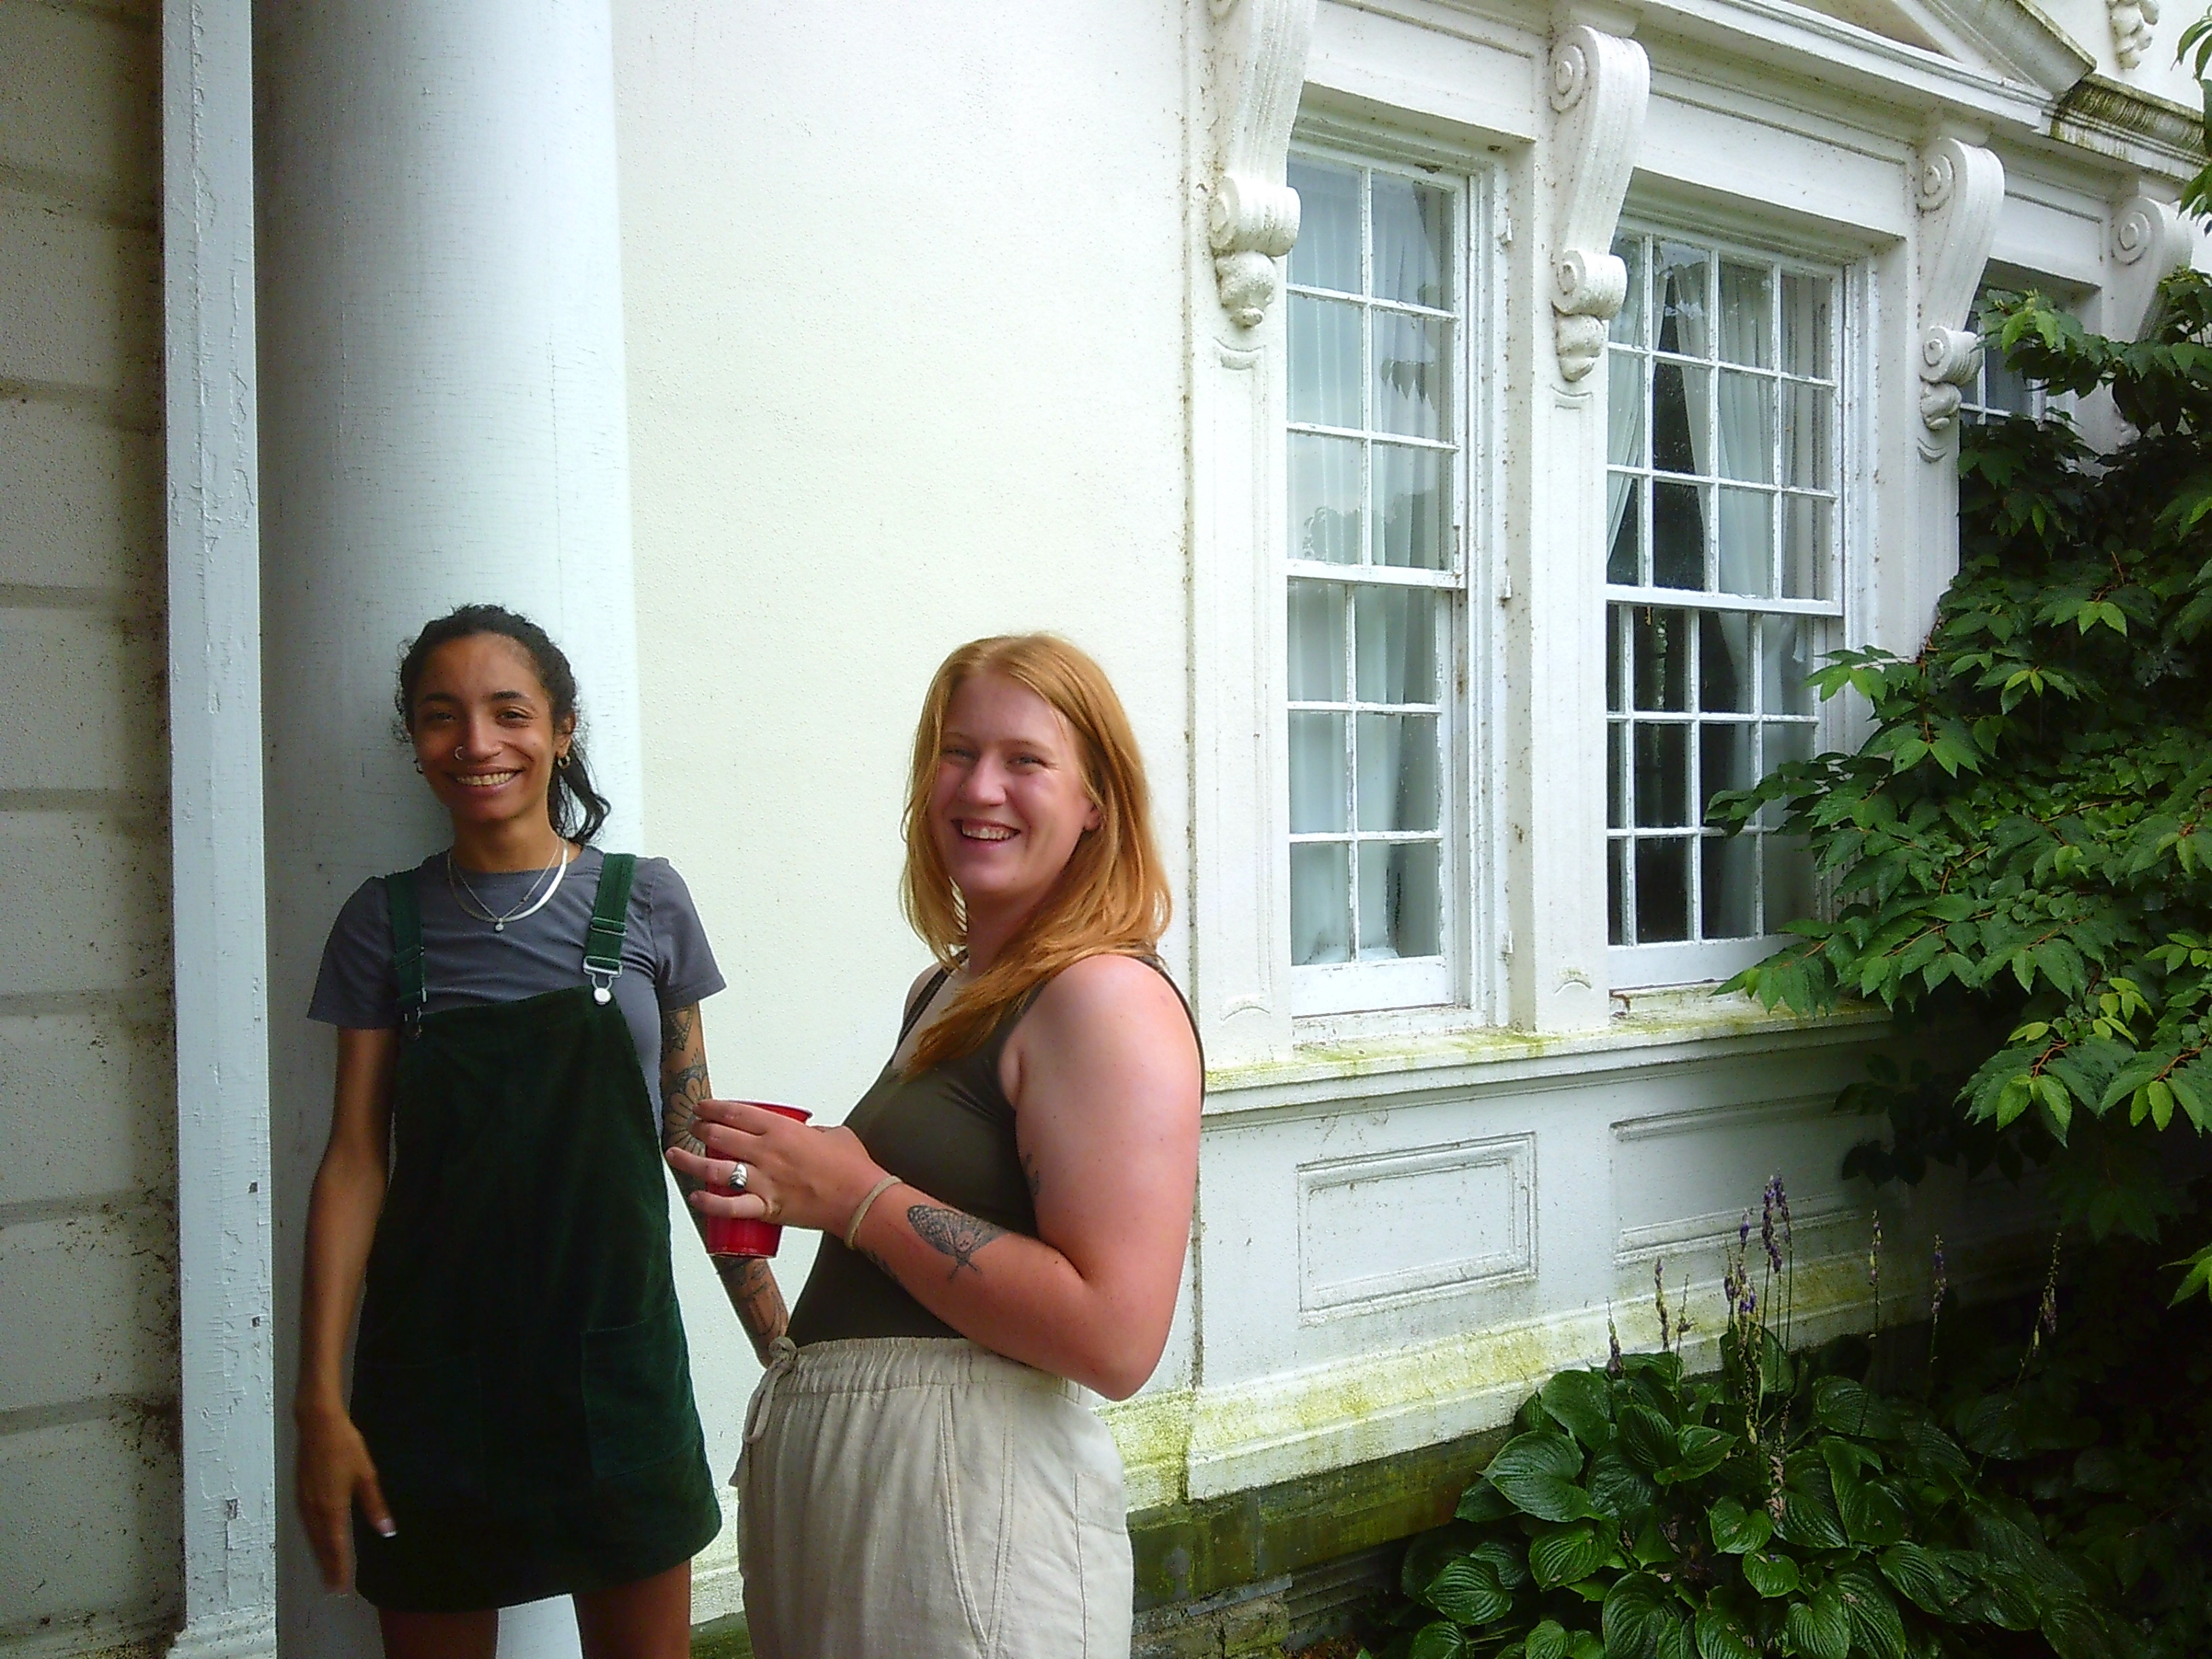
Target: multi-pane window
(1375,318)
(1723,585)
(1998,389)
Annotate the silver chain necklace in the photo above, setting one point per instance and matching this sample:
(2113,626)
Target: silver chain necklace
(474,905)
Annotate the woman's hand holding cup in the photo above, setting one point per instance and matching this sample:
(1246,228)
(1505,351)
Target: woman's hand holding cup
(795,1176)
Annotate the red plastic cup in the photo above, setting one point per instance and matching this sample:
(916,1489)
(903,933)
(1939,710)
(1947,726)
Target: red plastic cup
(738,1235)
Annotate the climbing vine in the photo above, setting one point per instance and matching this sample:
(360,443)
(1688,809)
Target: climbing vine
(2020,853)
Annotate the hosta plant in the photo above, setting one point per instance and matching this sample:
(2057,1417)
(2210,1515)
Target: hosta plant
(1777,1506)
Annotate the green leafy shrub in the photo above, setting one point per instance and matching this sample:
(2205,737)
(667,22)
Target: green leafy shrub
(2022,848)
(1779,1506)
(2103,1430)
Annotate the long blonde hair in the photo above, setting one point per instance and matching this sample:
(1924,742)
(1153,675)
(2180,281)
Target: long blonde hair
(1112,894)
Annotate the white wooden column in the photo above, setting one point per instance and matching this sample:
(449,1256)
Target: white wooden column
(226,1380)
(443,390)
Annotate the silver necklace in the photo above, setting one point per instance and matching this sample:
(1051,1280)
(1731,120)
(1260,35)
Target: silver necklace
(474,905)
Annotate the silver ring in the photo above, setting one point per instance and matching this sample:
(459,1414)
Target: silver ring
(739,1175)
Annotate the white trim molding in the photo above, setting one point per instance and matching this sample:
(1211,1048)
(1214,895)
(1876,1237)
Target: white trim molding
(2151,241)
(224,1240)
(1601,85)
(1959,188)
(1257,67)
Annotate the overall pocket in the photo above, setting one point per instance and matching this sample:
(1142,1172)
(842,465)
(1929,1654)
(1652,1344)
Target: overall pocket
(637,1393)
(423,1421)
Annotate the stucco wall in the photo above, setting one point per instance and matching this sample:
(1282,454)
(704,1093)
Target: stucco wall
(89,1475)
(904,300)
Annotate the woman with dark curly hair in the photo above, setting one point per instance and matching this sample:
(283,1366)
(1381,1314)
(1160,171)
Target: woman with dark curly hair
(520,1424)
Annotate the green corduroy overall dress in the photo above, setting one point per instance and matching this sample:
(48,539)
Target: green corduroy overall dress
(521,1376)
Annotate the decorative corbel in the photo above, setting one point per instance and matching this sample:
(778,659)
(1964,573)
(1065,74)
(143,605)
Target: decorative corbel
(1599,86)
(2132,21)
(1960,191)
(1258,68)
(2151,241)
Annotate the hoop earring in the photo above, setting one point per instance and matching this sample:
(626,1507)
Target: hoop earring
(562,763)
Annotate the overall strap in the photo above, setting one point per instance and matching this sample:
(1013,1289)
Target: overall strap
(609,921)
(405,907)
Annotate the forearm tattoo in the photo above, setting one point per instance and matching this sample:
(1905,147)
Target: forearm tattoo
(683,1081)
(1032,1175)
(949,1232)
(748,1281)
(755,1297)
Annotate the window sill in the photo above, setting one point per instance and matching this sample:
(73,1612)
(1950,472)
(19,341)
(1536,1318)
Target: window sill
(1663,1025)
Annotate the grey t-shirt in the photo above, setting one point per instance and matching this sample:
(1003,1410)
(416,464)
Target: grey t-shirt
(667,963)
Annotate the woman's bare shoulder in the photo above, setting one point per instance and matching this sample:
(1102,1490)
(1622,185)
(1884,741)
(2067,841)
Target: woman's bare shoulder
(1109,990)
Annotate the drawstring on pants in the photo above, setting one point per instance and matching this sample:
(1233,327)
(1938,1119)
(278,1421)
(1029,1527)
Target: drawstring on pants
(782,1353)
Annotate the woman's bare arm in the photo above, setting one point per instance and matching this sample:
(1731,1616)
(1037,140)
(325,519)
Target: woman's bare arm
(334,1469)
(1103,1074)
(746,1280)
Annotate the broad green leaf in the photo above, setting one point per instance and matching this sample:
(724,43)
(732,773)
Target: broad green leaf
(1720,1636)
(1536,1472)
(1647,1437)
(1616,1488)
(1819,1628)
(1482,1502)
(1810,1523)
(1581,1644)
(1736,1530)
(1504,1561)
(1635,1614)
(1439,1640)
(1562,1555)
(1872,1511)
(1581,1403)
(1876,1626)
(1467,1591)
(1699,1450)
(1426,1555)
(1921,1579)
(1847,1408)
(2072,1627)
(1548,1640)
(1771,1575)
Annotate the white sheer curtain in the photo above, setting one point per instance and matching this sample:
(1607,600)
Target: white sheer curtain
(1624,414)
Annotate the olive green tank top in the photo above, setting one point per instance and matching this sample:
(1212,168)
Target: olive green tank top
(949,1132)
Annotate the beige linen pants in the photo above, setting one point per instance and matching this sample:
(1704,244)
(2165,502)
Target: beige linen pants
(913,1497)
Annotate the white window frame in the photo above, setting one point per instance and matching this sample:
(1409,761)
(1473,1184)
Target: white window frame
(1643,967)
(1452,981)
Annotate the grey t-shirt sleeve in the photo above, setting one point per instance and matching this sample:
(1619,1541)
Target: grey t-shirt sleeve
(683,962)
(358,988)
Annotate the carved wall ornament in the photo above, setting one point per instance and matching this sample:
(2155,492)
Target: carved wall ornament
(1257,67)
(1600,84)
(1960,191)
(2132,21)
(2151,241)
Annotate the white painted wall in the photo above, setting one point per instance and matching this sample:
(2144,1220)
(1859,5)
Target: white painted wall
(89,1550)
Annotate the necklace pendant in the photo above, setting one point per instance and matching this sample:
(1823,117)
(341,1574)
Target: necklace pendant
(499,926)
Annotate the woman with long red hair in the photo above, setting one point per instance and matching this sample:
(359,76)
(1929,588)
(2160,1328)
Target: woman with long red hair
(1005,1212)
